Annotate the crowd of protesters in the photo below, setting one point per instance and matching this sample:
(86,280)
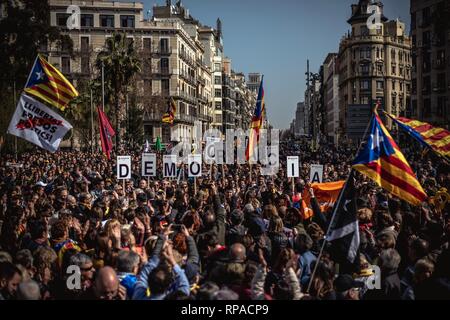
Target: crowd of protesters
(69,230)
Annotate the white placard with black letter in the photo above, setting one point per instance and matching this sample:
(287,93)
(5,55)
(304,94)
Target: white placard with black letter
(316,173)
(273,164)
(195,165)
(148,165)
(292,167)
(170,166)
(123,167)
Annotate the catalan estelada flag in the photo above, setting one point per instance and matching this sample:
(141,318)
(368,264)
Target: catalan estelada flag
(382,161)
(169,116)
(434,138)
(48,84)
(257,121)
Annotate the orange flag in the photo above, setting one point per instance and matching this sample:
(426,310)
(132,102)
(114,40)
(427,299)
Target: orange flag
(326,195)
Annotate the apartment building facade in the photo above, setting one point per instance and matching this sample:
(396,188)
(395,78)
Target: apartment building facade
(373,64)
(331,98)
(430,33)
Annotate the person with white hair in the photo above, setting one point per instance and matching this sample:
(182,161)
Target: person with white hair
(28,290)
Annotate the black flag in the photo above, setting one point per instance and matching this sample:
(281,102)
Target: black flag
(343,235)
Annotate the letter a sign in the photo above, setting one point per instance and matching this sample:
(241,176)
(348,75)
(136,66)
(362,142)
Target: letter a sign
(316,174)
(195,165)
(123,167)
(292,167)
(170,166)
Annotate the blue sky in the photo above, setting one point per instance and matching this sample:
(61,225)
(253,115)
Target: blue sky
(275,37)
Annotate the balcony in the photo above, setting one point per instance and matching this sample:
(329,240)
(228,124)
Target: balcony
(439,87)
(191,99)
(161,72)
(205,117)
(187,118)
(163,51)
(187,77)
(203,99)
(439,64)
(157,116)
(202,81)
(187,59)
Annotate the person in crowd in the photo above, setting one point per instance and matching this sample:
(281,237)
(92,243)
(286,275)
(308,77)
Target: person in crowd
(231,234)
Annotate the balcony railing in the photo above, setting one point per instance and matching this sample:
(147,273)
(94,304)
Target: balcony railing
(438,87)
(187,97)
(161,71)
(439,64)
(184,75)
(187,59)
(161,50)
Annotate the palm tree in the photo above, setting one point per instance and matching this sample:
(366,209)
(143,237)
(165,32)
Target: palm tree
(121,64)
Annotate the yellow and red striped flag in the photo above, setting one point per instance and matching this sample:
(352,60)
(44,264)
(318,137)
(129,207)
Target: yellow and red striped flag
(382,161)
(50,85)
(435,138)
(256,124)
(169,116)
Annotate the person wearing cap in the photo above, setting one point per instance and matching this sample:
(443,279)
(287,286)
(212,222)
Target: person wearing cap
(347,288)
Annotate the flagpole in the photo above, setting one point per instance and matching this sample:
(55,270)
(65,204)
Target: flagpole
(335,210)
(15,102)
(92,126)
(103,86)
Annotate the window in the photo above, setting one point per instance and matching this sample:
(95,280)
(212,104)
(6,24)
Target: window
(65,63)
(400,69)
(365,69)
(426,38)
(380,68)
(164,65)
(164,45)
(218,118)
(394,70)
(394,101)
(426,84)
(442,101)
(364,85)
(107,21)
(393,55)
(217,80)
(61,19)
(401,86)
(85,65)
(364,100)
(147,42)
(84,44)
(218,105)
(378,53)
(165,87)
(127,21)
(426,107)
(218,93)
(364,31)
(217,67)
(393,85)
(87,20)
(379,30)
(380,85)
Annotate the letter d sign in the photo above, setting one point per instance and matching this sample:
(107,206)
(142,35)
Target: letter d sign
(123,167)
